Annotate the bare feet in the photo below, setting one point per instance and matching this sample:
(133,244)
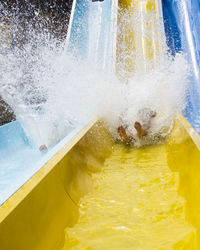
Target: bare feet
(123,135)
(140,131)
(43,147)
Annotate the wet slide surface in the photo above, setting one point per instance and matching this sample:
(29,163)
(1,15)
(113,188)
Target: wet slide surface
(142,198)
(15,155)
(134,205)
(182,28)
(135,202)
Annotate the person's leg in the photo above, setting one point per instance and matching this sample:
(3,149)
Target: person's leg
(142,129)
(123,135)
(139,129)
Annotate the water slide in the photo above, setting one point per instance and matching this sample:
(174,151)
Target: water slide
(88,192)
(182,27)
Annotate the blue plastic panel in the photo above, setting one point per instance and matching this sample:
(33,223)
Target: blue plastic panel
(93,34)
(19,161)
(182,28)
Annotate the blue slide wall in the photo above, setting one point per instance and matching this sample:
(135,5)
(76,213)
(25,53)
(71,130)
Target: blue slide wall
(182,29)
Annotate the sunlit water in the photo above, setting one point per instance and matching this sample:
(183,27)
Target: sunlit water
(134,204)
(51,92)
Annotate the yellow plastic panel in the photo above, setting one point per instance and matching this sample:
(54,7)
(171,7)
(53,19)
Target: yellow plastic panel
(139,41)
(93,198)
(134,204)
(184,158)
(36,215)
(143,198)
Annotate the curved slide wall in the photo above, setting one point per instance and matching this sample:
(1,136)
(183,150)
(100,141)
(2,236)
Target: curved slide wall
(182,28)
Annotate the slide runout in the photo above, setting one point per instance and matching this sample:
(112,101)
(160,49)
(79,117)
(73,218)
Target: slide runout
(134,204)
(138,180)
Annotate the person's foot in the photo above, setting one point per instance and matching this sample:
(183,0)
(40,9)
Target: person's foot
(139,129)
(123,135)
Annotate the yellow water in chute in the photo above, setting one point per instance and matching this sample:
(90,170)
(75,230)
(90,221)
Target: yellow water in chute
(134,204)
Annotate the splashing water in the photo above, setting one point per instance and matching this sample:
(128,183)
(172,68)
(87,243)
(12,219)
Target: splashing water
(51,92)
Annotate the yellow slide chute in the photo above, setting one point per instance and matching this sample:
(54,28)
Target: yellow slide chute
(96,194)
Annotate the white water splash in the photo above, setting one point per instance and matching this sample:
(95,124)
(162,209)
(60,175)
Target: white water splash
(51,92)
